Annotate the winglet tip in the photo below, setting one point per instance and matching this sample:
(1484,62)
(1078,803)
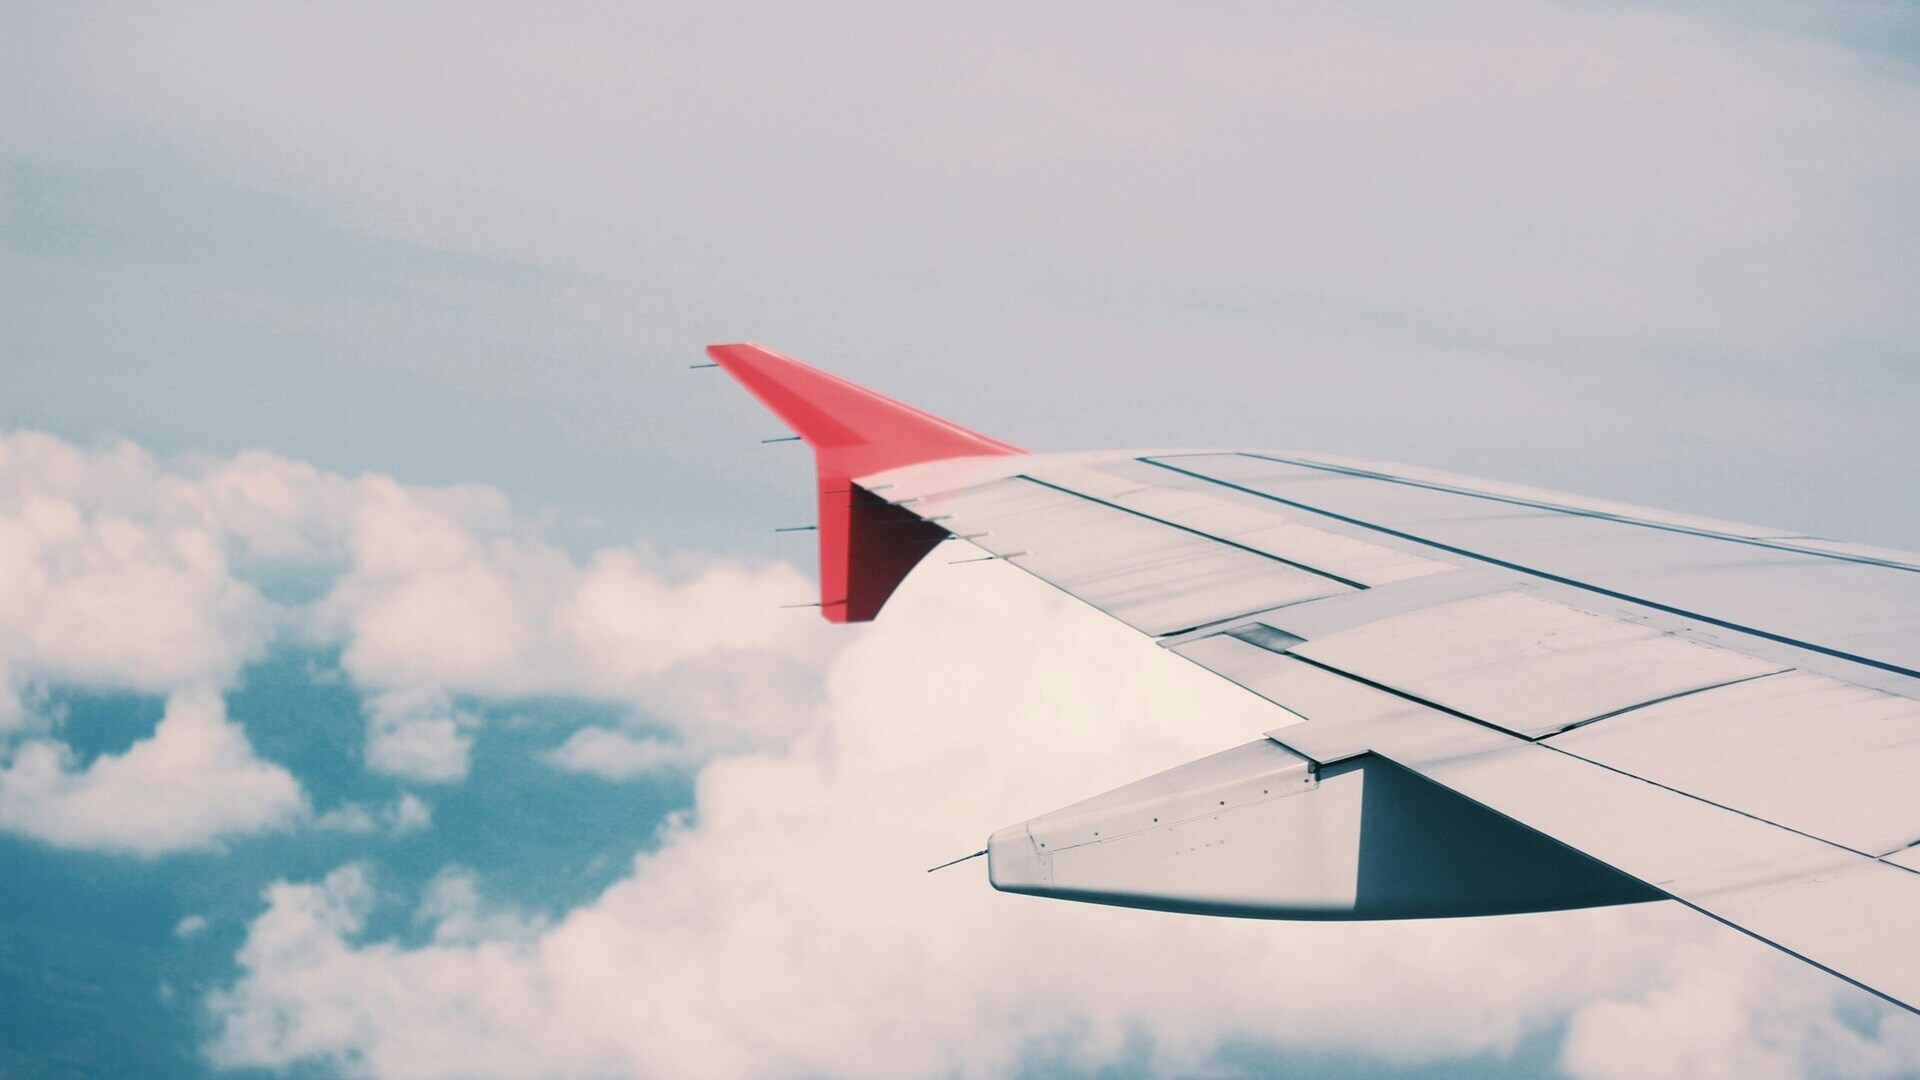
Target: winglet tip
(854,432)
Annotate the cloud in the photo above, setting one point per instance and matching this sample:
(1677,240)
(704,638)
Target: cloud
(446,588)
(451,903)
(194,782)
(1730,1009)
(111,575)
(406,814)
(119,573)
(118,570)
(448,591)
(418,734)
(785,926)
(410,814)
(614,755)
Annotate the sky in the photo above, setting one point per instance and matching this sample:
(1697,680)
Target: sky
(393,675)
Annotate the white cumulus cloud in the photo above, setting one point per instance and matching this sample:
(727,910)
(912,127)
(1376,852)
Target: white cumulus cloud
(1729,1009)
(406,814)
(193,782)
(111,574)
(418,734)
(786,927)
(120,570)
(614,755)
(448,591)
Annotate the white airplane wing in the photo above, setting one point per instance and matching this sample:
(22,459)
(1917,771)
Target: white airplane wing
(1486,698)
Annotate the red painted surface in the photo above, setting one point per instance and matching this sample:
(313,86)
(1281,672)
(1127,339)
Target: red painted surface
(867,546)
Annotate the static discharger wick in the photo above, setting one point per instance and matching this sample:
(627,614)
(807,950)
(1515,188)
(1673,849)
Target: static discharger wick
(959,860)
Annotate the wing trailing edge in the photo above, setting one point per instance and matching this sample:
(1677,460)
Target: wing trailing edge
(867,546)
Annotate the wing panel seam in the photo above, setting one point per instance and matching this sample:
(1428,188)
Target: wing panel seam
(1709,802)
(1597,515)
(1188,529)
(1664,698)
(1655,605)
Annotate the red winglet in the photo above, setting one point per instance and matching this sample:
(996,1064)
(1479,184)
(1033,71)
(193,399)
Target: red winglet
(866,544)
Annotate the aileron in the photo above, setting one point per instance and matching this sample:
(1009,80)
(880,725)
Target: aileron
(1813,754)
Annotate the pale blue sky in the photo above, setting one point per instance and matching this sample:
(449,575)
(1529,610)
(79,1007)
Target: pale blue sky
(412,254)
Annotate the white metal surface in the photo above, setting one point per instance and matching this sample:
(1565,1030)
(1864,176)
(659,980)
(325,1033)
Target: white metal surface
(1525,664)
(1255,831)
(1262,525)
(1230,780)
(1908,858)
(1150,575)
(1819,756)
(1235,833)
(1322,715)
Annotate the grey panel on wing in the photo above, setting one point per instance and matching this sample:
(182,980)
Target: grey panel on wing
(1539,498)
(1835,907)
(1146,573)
(1359,497)
(1528,665)
(1260,524)
(1819,756)
(1817,596)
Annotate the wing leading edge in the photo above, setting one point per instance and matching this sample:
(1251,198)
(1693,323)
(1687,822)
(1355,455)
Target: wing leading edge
(1582,703)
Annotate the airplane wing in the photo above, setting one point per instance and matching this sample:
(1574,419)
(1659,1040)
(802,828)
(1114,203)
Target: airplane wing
(1486,698)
